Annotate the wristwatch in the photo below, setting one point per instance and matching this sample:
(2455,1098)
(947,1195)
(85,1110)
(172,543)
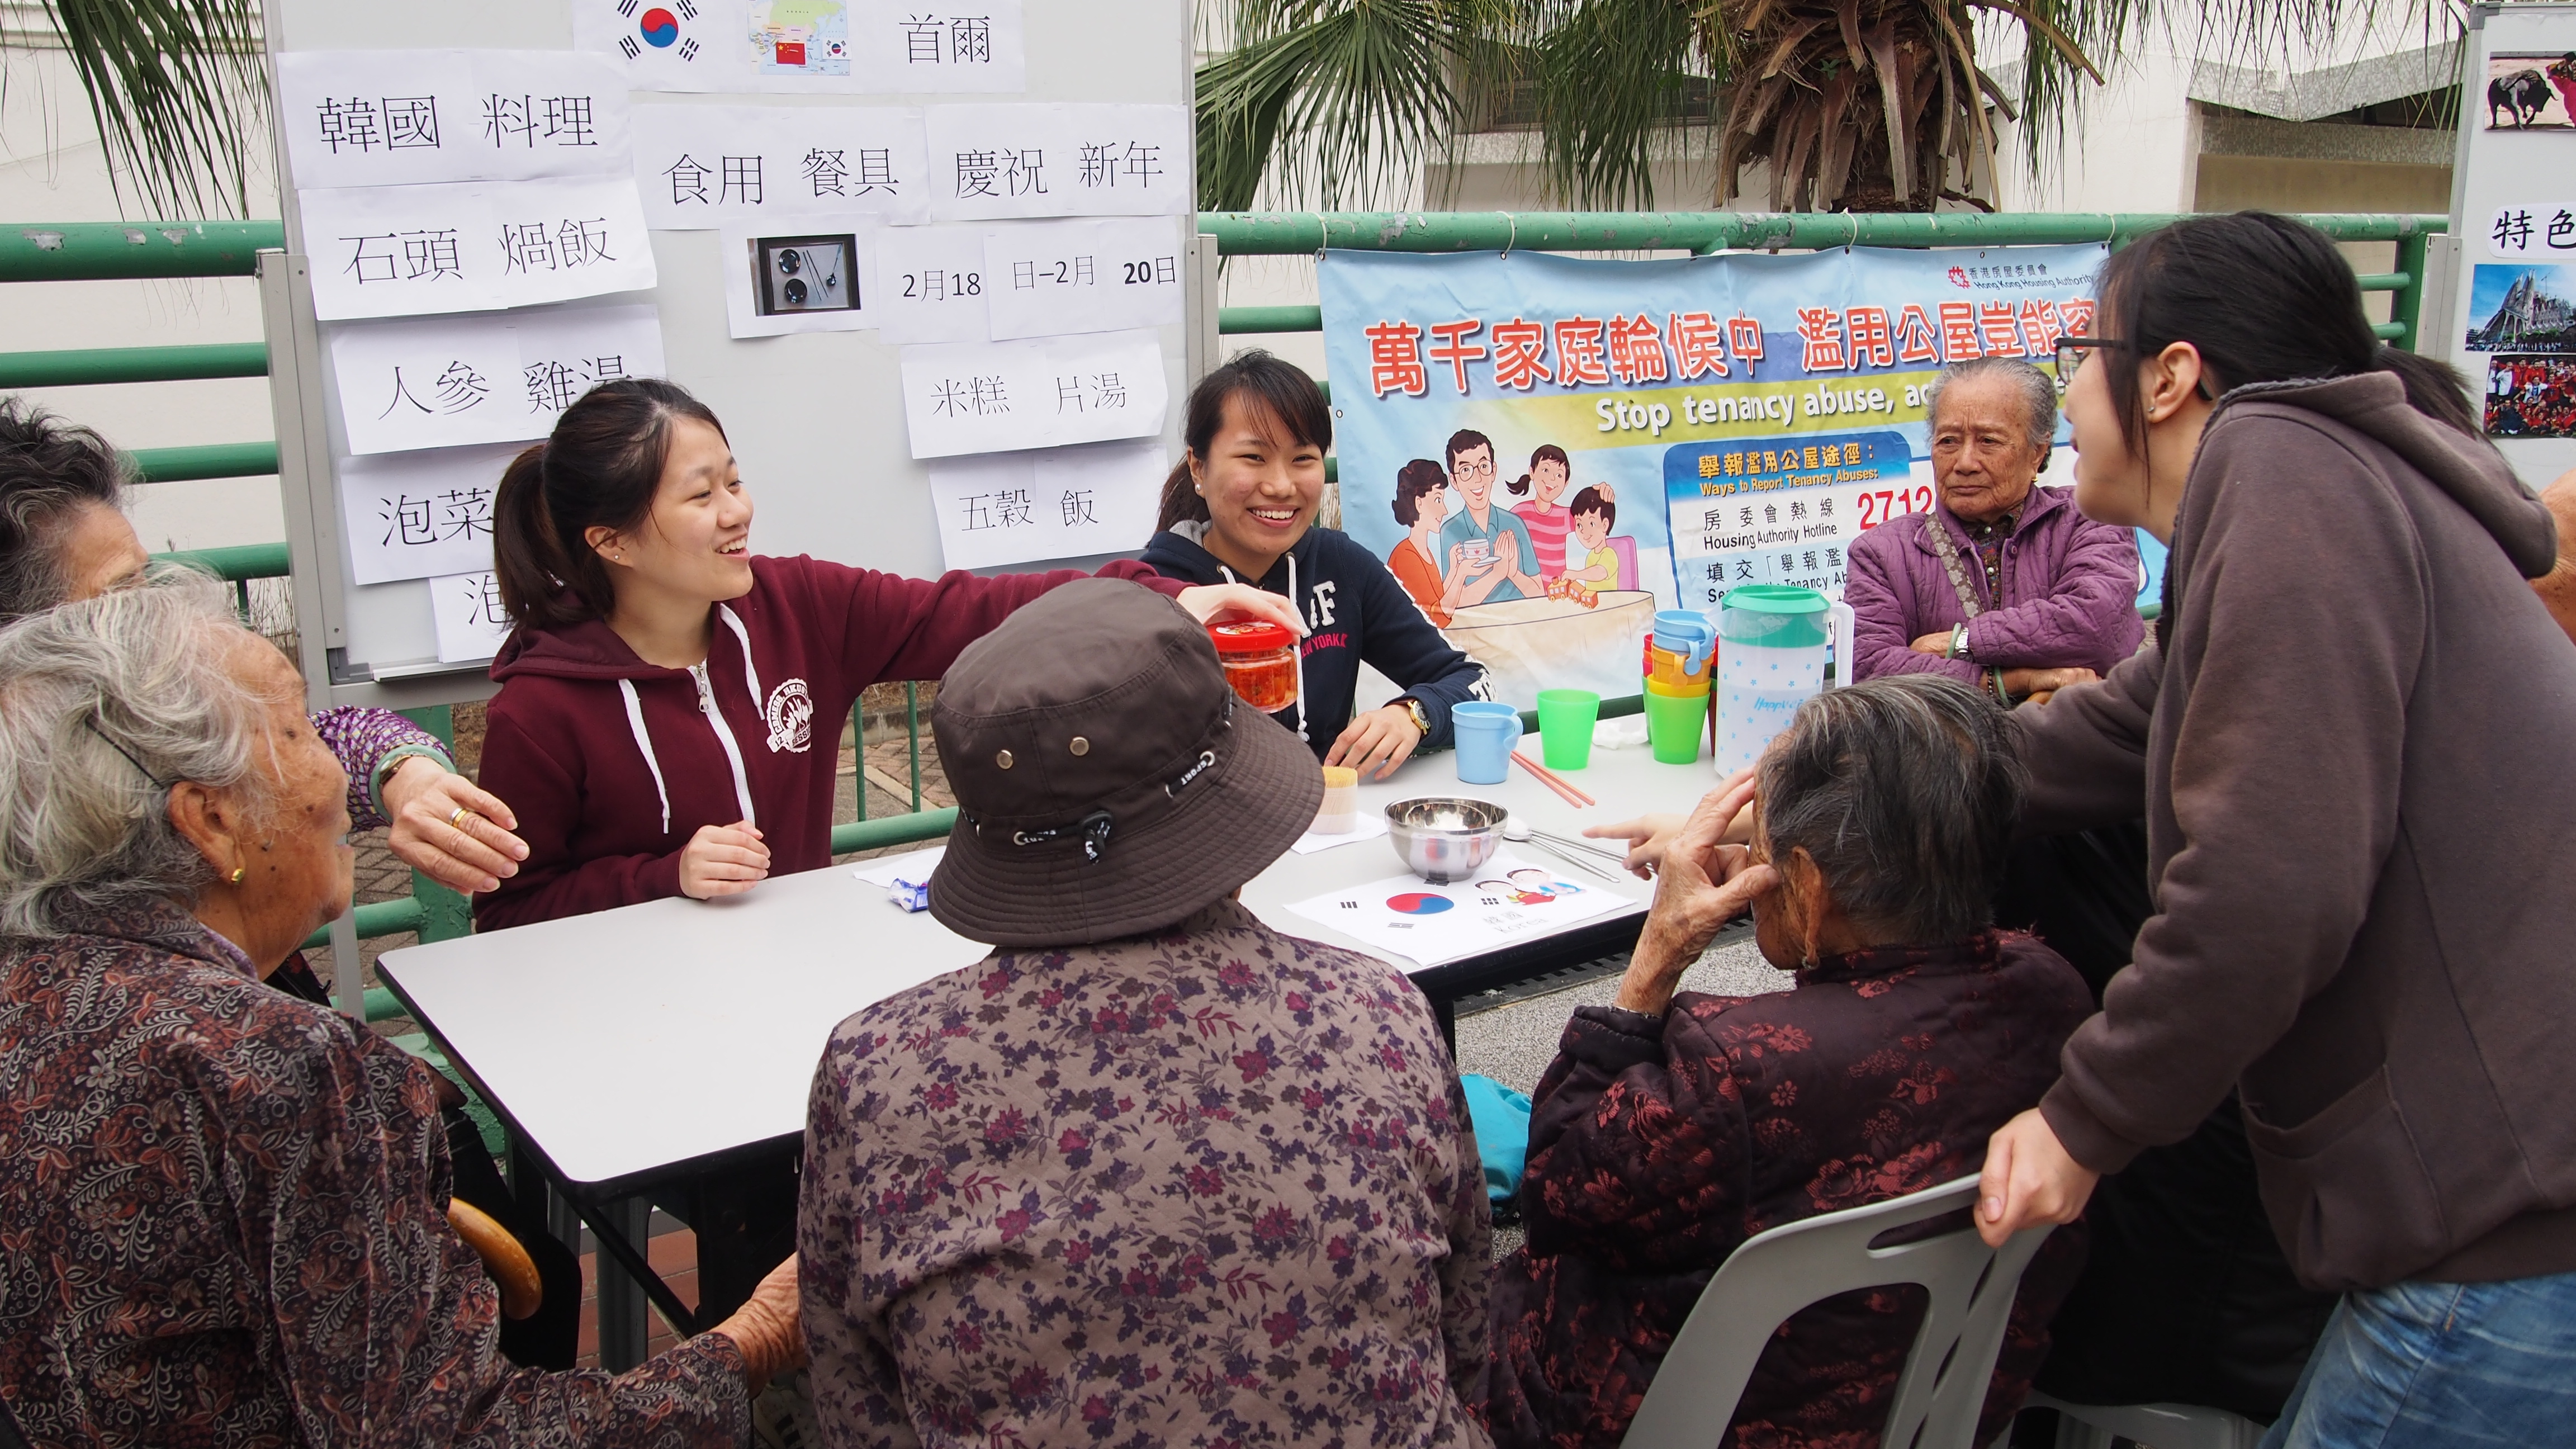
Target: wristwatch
(1421,716)
(1958,641)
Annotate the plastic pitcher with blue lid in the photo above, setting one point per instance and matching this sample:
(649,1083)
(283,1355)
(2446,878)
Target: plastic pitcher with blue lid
(1771,659)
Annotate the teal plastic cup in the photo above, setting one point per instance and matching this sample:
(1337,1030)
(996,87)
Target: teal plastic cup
(1565,721)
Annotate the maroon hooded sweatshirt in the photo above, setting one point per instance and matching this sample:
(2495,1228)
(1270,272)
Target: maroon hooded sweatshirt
(612,764)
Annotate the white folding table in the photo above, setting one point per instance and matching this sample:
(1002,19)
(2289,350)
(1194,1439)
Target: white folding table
(633,1048)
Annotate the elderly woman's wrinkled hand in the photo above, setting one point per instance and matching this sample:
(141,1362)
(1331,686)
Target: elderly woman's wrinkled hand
(450,830)
(1703,884)
(768,1329)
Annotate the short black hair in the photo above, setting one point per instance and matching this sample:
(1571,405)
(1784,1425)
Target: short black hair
(1466,440)
(1594,499)
(51,472)
(1273,385)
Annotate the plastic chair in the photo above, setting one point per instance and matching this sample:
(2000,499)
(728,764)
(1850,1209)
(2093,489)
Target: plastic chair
(523,1289)
(2165,1426)
(1777,1273)
(1626,548)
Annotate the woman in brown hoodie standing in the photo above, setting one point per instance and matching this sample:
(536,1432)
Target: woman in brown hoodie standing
(2351,745)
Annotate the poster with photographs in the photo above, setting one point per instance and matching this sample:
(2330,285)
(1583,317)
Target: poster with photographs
(2522,309)
(2531,92)
(2531,397)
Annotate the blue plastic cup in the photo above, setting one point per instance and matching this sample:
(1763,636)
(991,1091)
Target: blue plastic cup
(1486,733)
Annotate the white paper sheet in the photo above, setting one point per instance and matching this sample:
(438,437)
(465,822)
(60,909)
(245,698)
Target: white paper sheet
(420,515)
(467,611)
(2525,231)
(668,45)
(1370,825)
(992,162)
(911,48)
(1011,508)
(1047,278)
(713,166)
(474,246)
(450,381)
(1510,900)
(933,285)
(912,866)
(992,397)
(854,280)
(407,117)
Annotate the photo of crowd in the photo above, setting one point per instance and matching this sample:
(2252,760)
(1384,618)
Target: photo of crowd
(2531,397)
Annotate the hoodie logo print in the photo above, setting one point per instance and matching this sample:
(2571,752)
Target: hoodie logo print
(791,717)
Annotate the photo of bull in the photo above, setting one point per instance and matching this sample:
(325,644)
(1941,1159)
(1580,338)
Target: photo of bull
(2523,95)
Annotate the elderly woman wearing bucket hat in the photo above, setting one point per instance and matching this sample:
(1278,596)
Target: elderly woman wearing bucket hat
(1151,1171)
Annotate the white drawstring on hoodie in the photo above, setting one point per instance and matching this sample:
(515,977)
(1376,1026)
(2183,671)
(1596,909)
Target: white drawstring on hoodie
(715,717)
(1294,646)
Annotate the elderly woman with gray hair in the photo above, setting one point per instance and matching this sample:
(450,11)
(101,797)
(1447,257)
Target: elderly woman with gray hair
(225,1205)
(1674,1126)
(2003,584)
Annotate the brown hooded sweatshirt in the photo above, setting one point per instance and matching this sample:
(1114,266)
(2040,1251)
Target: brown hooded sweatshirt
(2356,743)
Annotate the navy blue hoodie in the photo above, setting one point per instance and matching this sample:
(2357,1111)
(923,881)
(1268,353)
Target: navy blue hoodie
(1354,610)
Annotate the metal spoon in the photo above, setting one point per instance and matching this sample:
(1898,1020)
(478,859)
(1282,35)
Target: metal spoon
(1517,831)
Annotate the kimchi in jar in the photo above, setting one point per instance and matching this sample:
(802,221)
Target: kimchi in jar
(1260,661)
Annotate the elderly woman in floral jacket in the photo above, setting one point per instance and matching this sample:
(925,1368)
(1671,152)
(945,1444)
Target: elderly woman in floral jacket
(223,1209)
(1671,1128)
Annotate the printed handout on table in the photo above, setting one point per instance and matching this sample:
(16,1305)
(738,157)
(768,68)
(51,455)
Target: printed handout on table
(411,117)
(712,166)
(451,381)
(402,251)
(1054,277)
(932,285)
(668,45)
(466,608)
(819,278)
(910,48)
(1015,508)
(989,162)
(992,397)
(1509,900)
(420,515)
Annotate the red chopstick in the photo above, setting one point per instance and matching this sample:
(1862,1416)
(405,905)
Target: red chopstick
(1553,781)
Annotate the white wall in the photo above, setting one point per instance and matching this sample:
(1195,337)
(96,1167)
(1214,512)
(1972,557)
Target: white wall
(53,168)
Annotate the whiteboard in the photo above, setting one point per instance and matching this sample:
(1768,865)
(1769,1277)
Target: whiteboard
(816,418)
(2527,170)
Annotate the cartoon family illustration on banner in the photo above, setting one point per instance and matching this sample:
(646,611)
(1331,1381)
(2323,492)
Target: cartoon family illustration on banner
(1546,450)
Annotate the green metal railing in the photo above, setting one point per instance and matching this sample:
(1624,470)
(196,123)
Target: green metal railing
(107,251)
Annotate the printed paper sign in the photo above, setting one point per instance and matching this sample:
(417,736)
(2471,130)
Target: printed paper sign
(1049,278)
(472,626)
(993,397)
(713,166)
(2543,231)
(409,117)
(420,515)
(1016,508)
(799,40)
(1509,900)
(820,277)
(923,49)
(932,284)
(992,162)
(668,45)
(401,251)
(454,381)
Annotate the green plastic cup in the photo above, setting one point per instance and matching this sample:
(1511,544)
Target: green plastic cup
(1675,725)
(1565,720)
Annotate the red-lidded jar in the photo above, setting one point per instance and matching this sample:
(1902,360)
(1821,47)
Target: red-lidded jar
(1260,661)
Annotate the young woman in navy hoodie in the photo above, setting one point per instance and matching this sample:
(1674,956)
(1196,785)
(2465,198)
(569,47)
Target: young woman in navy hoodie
(667,721)
(1241,508)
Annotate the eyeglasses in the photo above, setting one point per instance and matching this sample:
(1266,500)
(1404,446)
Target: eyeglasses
(2070,356)
(1474,470)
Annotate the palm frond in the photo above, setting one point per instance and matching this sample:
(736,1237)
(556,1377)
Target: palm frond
(179,93)
(1334,99)
(1612,76)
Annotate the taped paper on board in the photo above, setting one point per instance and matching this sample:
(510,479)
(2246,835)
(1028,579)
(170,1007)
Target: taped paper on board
(475,246)
(420,515)
(712,166)
(1048,503)
(992,397)
(452,381)
(1047,278)
(417,117)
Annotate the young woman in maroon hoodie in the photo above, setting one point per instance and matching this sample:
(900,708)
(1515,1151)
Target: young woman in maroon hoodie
(666,721)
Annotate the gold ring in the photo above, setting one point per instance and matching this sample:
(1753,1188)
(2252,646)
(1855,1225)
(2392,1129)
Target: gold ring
(457,820)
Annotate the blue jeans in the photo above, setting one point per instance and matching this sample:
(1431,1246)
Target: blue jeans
(2440,1364)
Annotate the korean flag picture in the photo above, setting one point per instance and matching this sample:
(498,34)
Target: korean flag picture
(666,45)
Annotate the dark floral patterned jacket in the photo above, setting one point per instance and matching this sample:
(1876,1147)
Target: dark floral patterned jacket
(1660,1144)
(223,1222)
(1214,1187)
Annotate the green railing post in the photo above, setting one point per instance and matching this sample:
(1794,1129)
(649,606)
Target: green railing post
(859,750)
(912,726)
(444,914)
(2406,308)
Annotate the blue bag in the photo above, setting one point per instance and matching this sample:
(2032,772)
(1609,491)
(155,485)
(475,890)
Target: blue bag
(1502,1118)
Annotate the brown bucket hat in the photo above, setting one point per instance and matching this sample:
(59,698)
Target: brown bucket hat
(1108,782)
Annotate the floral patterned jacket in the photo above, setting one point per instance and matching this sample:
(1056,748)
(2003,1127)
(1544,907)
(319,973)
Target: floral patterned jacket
(1658,1145)
(223,1223)
(1213,1187)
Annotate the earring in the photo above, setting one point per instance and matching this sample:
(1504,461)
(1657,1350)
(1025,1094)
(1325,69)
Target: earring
(238,872)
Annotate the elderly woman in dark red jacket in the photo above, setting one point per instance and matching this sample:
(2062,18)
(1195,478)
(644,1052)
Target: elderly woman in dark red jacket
(1671,1128)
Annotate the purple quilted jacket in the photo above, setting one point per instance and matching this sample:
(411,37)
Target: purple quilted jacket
(2070,586)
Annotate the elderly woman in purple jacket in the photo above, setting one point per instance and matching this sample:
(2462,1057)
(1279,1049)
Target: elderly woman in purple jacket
(2003,585)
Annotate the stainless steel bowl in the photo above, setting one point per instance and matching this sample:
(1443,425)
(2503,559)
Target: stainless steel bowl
(1445,837)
